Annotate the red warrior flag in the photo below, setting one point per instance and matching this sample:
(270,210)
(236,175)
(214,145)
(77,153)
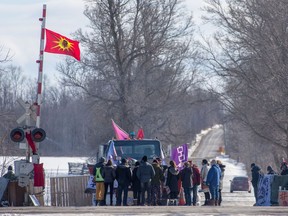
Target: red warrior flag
(140,134)
(56,43)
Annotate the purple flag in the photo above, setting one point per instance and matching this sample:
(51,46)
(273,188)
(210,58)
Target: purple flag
(180,155)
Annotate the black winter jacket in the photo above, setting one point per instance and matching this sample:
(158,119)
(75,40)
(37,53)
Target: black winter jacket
(123,174)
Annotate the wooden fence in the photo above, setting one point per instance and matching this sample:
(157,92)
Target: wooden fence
(69,191)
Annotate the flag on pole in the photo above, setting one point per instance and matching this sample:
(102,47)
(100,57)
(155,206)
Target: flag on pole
(56,43)
(180,155)
(119,132)
(163,157)
(112,154)
(140,134)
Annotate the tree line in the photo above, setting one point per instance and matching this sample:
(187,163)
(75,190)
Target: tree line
(139,67)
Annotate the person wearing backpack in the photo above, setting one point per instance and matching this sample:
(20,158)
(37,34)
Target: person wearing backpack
(100,187)
(196,182)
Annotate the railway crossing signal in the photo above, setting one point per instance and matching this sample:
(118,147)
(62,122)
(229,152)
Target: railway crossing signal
(38,135)
(17,135)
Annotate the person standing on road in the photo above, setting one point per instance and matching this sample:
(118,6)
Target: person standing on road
(109,176)
(284,168)
(100,188)
(213,181)
(172,180)
(203,175)
(186,175)
(270,171)
(145,173)
(156,183)
(136,185)
(222,168)
(124,178)
(255,171)
(196,182)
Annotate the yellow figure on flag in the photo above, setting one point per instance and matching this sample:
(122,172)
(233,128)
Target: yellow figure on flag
(56,43)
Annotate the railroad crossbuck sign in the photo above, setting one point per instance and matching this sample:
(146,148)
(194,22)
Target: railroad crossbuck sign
(30,111)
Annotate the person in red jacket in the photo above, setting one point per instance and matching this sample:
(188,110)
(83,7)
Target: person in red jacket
(196,182)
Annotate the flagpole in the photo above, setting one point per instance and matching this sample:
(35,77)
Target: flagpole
(40,72)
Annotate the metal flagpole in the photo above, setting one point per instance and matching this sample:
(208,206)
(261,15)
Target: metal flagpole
(40,61)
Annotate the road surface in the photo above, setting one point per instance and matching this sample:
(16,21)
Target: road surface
(208,148)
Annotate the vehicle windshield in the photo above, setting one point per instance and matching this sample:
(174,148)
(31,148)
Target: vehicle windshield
(136,149)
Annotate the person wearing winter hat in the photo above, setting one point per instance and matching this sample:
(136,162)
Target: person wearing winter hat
(10,175)
(100,187)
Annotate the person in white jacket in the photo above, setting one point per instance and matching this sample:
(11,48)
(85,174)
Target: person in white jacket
(203,175)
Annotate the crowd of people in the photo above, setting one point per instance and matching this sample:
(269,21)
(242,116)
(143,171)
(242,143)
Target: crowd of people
(153,184)
(256,172)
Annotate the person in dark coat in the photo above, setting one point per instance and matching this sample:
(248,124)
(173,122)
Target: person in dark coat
(124,178)
(222,168)
(136,185)
(270,171)
(213,181)
(145,173)
(255,171)
(172,180)
(284,168)
(196,182)
(109,176)
(156,182)
(10,175)
(186,177)
(100,188)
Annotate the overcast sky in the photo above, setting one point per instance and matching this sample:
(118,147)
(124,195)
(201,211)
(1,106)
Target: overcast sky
(20,29)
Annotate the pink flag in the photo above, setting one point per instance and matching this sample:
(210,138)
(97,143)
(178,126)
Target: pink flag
(119,132)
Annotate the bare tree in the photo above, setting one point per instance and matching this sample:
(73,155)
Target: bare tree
(253,64)
(139,63)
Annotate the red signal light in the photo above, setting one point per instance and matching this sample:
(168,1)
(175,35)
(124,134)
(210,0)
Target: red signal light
(38,135)
(17,135)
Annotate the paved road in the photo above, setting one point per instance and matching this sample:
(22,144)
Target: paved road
(145,210)
(208,148)
(209,145)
